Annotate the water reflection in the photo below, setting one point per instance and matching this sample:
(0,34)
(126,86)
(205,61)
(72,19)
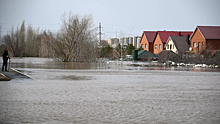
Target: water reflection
(45,63)
(109,96)
(181,69)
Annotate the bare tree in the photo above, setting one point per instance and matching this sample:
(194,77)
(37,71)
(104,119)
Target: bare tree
(30,46)
(75,39)
(16,41)
(21,40)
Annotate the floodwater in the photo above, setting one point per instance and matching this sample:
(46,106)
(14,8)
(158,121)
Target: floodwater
(109,93)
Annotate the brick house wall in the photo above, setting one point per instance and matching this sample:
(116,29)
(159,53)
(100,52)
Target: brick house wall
(158,45)
(144,42)
(198,40)
(213,44)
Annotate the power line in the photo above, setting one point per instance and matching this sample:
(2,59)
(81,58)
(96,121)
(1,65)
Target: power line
(123,26)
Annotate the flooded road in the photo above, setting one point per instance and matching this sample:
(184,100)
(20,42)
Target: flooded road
(85,93)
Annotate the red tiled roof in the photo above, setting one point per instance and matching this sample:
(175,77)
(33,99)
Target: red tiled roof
(164,35)
(150,35)
(185,33)
(210,32)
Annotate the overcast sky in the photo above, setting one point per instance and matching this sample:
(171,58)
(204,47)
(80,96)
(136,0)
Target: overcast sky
(126,17)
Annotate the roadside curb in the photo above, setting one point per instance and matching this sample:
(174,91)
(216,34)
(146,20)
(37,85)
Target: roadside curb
(22,73)
(4,78)
(13,74)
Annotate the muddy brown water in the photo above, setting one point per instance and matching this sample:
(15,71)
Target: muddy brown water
(100,93)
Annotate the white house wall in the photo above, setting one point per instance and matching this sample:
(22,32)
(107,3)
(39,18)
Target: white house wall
(170,42)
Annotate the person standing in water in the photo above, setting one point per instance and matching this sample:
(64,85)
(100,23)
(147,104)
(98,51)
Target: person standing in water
(5,59)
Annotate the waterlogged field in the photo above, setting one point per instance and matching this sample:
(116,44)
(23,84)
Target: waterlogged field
(100,94)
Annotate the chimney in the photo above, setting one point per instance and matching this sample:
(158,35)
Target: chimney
(187,39)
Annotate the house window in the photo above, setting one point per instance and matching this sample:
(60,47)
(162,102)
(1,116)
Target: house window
(146,46)
(202,44)
(160,46)
(194,44)
(155,46)
(173,46)
(167,46)
(142,46)
(170,46)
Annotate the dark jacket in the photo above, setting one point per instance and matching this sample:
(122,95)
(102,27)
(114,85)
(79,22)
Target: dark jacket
(5,54)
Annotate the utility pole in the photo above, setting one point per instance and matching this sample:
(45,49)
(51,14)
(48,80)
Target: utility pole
(121,50)
(0,32)
(100,33)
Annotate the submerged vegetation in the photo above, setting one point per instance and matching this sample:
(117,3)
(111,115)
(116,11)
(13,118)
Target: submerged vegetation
(73,77)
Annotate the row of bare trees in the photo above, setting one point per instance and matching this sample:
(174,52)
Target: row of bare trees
(15,41)
(75,41)
(28,42)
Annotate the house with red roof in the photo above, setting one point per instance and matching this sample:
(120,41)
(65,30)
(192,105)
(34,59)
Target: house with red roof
(162,38)
(147,40)
(205,38)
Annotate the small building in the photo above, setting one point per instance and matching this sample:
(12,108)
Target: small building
(145,55)
(126,40)
(136,41)
(147,40)
(121,40)
(162,37)
(178,44)
(112,41)
(130,40)
(205,38)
